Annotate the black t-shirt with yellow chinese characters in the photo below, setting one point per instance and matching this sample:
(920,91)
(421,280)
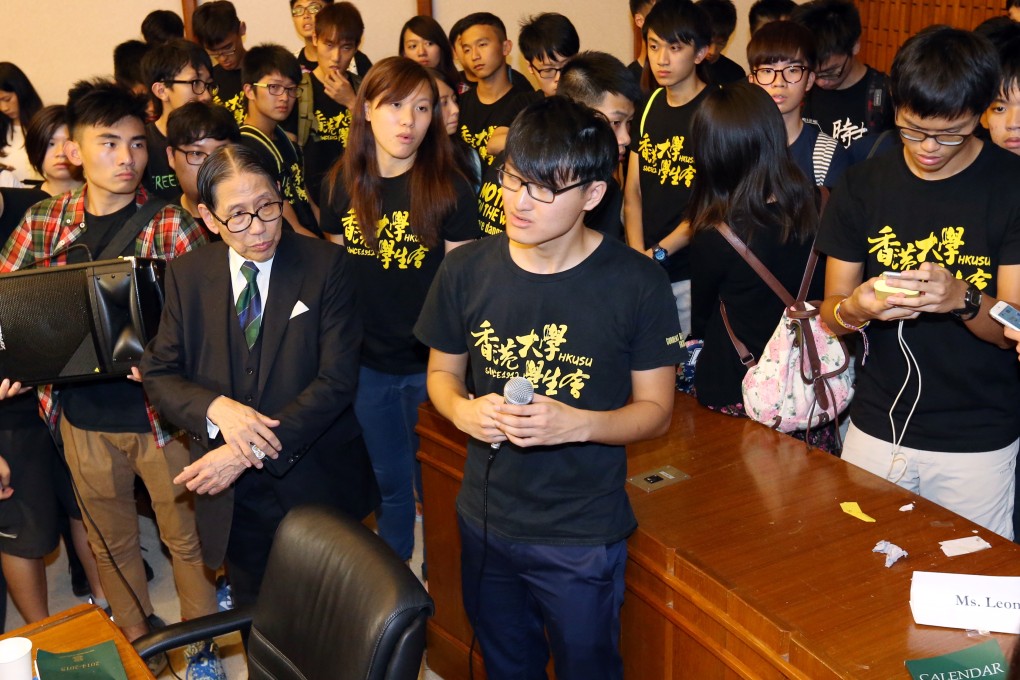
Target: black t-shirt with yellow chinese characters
(478,120)
(229,92)
(576,335)
(881,214)
(605,217)
(666,172)
(283,159)
(327,138)
(393,278)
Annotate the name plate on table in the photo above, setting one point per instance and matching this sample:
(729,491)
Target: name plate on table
(990,603)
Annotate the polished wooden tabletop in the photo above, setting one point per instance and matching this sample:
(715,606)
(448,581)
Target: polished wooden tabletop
(80,627)
(761,518)
(747,569)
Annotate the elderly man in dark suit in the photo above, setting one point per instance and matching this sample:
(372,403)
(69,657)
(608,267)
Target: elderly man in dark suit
(256,356)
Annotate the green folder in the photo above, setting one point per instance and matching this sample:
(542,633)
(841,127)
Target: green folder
(981,661)
(98,662)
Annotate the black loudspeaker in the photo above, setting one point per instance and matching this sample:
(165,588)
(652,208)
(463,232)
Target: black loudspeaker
(78,322)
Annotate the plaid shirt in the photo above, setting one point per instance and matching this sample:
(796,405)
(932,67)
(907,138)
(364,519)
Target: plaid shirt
(52,225)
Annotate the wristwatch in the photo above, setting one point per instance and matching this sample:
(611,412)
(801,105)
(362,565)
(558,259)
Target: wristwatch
(659,254)
(971,304)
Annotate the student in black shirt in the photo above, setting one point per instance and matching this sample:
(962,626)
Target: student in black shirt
(850,102)
(177,72)
(717,67)
(338,30)
(271,75)
(398,204)
(747,180)
(547,41)
(942,213)
(193,132)
(639,10)
(303,13)
(221,33)
(487,110)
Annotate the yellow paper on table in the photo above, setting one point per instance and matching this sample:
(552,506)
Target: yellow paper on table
(851,508)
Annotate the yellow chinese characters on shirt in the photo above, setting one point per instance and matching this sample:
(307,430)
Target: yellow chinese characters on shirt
(235,105)
(946,247)
(479,141)
(540,355)
(294,188)
(397,245)
(667,160)
(334,129)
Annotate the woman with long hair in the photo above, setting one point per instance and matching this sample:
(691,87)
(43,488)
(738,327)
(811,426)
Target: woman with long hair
(18,103)
(468,160)
(423,40)
(747,180)
(397,202)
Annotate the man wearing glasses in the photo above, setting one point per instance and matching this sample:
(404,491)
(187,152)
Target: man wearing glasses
(271,78)
(851,100)
(939,220)
(176,72)
(303,13)
(221,33)
(193,132)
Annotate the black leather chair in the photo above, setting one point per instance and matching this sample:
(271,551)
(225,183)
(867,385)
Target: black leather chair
(336,604)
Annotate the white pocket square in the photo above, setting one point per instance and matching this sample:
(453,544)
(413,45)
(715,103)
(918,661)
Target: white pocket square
(299,308)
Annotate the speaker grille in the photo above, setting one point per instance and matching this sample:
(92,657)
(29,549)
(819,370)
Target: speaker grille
(53,307)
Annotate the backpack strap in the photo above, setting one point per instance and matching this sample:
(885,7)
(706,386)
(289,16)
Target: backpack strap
(305,104)
(757,265)
(648,107)
(132,227)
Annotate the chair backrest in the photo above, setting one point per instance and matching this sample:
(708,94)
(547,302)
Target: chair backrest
(336,604)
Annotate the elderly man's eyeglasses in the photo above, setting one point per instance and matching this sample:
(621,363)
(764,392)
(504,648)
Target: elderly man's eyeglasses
(241,220)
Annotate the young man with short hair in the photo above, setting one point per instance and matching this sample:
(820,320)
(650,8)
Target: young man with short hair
(332,91)
(601,82)
(218,29)
(193,132)
(468,79)
(1013,9)
(764,11)
(110,433)
(661,166)
(162,25)
(942,213)
(543,557)
(1002,119)
(850,102)
(718,68)
(271,77)
(177,72)
(487,109)
(303,12)
(782,60)
(547,41)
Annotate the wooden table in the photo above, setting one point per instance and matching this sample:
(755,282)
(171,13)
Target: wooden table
(79,627)
(749,569)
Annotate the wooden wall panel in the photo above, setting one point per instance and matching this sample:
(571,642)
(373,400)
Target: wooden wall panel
(888,23)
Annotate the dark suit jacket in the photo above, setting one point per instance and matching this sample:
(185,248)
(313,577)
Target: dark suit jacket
(307,375)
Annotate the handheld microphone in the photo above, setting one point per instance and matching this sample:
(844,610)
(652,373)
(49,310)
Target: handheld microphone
(519,391)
